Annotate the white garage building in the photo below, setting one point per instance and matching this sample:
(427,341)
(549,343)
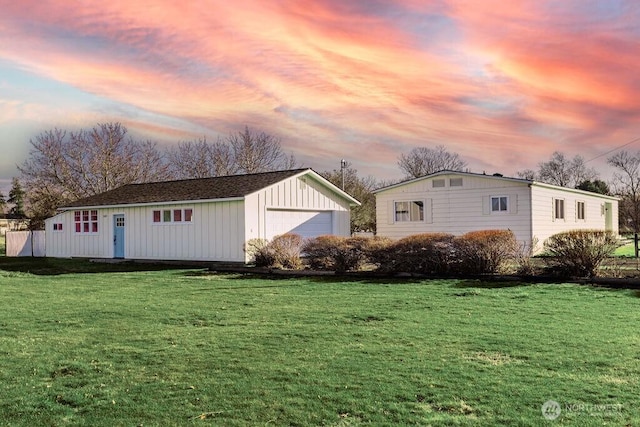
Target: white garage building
(207,219)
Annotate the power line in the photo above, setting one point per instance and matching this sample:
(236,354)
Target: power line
(614,149)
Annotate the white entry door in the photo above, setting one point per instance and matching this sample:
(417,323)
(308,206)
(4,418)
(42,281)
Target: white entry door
(304,223)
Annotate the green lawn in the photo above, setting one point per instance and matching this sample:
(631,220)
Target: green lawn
(627,250)
(182,347)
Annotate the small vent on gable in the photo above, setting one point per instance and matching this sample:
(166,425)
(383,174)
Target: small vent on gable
(455,182)
(437,183)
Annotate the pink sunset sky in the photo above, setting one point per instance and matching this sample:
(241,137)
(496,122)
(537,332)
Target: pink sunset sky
(502,83)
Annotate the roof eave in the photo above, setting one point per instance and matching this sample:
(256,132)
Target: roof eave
(573,190)
(144,204)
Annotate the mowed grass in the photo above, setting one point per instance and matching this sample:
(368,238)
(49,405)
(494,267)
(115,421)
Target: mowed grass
(626,250)
(183,347)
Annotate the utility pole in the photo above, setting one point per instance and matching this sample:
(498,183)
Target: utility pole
(343,166)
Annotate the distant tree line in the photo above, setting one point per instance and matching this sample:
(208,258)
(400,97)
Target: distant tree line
(64,166)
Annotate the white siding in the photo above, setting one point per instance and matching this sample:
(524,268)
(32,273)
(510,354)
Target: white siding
(68,243)
(458,209)
(545,224)
(295,193)
(215,234)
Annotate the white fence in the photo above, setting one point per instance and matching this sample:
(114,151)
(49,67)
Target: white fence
(25,243)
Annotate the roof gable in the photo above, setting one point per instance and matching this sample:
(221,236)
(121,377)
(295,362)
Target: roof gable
(451,172)
(222,187)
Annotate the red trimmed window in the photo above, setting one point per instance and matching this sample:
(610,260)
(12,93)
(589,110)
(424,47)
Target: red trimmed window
(85,221)
(172,216)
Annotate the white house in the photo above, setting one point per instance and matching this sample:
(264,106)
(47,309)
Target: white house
(11,222)
(207,219)
(459,202)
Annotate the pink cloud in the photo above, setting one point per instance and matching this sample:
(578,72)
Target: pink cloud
(333,78)
(555,55)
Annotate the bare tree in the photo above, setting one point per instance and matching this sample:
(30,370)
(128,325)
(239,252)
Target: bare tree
(529,174)
(561,170)
(363,217)
(201,159)
(423,161)
(626,184)
(242,152)
(63,167)
(258,152)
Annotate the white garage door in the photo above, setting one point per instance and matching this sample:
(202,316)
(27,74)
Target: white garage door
(304,223)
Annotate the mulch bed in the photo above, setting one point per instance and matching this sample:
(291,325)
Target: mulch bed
(621,273)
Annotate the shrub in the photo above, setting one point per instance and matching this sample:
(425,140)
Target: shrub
(255,248)
(428,253)
(525,265)
(485,251)
(579,253)
(340,253)
(320,252)
(281,252)
(374,246)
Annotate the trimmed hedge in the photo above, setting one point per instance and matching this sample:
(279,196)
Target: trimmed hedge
(573,253)
(341,254)
(485,252)
(428,253)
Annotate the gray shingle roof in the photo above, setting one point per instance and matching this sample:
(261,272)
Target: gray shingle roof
(222,187)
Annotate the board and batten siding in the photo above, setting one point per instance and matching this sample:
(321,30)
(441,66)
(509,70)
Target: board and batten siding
(598,209)
(297,193)
(456,209)
(67,243)
(215,233)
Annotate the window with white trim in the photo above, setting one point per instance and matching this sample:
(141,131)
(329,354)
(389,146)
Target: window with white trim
(499,204)
(57,226)
(86,221)
(172,216)
(409,211)
(580,212)
(558,208)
